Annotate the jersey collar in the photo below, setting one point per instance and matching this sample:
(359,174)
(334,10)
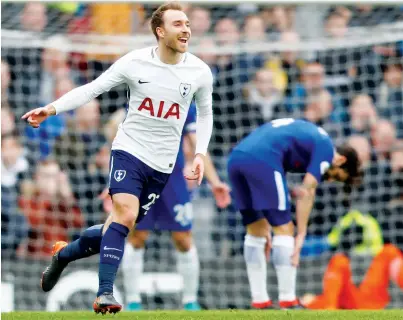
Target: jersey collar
(154,56)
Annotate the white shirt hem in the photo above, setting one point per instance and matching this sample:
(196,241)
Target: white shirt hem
(144,160)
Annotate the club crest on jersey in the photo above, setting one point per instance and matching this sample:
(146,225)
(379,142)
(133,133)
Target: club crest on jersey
(184,89)
(119,175)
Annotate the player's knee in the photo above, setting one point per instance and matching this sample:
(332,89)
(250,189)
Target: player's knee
(259,228)
(390,251)
(182,241)
(122,208)
(127,220)
(92,232)
(138,239)
(285,229)
(339,261)
(125,210)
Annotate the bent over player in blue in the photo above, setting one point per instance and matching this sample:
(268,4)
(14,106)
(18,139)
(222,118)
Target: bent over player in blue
(172,212)
(257,170)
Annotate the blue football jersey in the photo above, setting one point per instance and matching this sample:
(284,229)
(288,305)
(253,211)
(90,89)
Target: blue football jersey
(189,126)
(291,145)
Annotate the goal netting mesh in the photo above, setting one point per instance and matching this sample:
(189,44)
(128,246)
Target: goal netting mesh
(338,66)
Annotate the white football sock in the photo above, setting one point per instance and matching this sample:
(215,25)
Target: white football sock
(256,267)
(132,268)
(189,268)
(283,247)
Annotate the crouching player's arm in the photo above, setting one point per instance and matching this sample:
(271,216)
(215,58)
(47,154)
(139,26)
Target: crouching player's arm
(305,195)
(221,190)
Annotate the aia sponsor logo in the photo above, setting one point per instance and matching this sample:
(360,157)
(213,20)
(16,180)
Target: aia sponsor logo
(158,111)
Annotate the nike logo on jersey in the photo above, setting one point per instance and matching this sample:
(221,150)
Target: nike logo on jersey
(106,248)
(141,82)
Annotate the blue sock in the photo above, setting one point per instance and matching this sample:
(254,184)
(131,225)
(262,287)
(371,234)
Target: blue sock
(87,245)
(112,248)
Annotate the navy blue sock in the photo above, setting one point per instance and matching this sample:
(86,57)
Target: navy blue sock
(112,249)
(87,245)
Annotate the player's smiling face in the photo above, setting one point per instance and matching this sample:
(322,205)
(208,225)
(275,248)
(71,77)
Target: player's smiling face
(176,30)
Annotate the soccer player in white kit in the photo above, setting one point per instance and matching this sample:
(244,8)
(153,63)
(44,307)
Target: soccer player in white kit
(163,80)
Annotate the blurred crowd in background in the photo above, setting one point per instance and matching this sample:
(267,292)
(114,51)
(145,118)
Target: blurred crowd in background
(51,177)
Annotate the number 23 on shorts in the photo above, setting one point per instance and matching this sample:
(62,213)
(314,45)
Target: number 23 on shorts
(152,197)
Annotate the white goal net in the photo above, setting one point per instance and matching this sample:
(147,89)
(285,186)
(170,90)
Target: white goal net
(338,66)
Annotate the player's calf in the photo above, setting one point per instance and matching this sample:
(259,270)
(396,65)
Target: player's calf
(138,238)
(125,210)
(132,268)
(188,266)
(183,240)
(257,229)
(283,245)
(256,267)
(283,248)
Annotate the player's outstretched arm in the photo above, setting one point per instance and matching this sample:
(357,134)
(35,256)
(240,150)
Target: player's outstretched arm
(80,96)
(221,190)
(305,199)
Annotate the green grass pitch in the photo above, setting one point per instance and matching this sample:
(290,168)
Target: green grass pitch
(206,315)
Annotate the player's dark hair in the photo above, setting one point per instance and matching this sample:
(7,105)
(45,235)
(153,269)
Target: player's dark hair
(352,165)
(157,19)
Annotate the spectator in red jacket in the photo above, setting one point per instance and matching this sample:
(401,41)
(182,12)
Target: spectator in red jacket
(50,208)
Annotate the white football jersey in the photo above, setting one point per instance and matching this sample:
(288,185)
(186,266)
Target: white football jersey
(160,96)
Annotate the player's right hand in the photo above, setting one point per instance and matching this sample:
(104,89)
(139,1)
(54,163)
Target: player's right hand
(197,169)
(299,242)
(37,116)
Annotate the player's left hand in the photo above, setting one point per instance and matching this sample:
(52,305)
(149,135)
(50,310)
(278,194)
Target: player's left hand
(299,242)
(221,192)
(197,169)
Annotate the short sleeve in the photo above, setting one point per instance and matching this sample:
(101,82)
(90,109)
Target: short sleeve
(321,158)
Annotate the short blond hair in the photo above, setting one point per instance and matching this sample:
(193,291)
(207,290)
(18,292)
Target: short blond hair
(157,19)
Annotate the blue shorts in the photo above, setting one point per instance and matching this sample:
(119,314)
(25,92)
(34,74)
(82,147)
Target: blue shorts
(130,175)
(173,210)
(259,190)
